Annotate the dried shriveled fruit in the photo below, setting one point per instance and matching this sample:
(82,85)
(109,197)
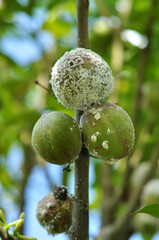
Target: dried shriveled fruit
(108,131)
(81,77)
(56,138)
(55,215)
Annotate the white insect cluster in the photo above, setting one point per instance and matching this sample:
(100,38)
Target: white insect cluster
(81,77)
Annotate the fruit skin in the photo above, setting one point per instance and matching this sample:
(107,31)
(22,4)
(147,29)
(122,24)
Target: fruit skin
(81,77)
(54,215)
(56,138)
(108,131)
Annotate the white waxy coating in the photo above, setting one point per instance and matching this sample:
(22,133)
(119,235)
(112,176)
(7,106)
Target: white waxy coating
(105,144)
(93,138)
(81,77)
(97,116)
(108,131)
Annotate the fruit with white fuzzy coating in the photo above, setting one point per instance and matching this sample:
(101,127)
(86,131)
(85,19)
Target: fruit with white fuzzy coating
(55,215)
(56,137)
(80,78)
(108,132)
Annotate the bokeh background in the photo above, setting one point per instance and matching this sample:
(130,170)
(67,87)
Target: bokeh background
(33,35)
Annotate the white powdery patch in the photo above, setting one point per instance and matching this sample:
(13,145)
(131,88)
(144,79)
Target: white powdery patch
(94,136)
(49,204)
(97,116)
(108,131)
(81,77)
(41,212)
(95,110)
(105,144)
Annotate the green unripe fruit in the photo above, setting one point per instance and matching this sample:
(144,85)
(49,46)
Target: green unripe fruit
(140,173)
(108,131)
(55,215)
(145,223)
(150,194)
(56,138)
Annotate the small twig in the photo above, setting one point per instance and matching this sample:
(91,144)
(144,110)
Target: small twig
(4,235)
(37,82)
(119,225)
(67,168)
(92,156)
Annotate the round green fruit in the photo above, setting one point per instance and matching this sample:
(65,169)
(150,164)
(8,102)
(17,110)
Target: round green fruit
(108,131)
(150,194)
(145,223)
(56,138)
(55,215)
(81,77)
(140,172)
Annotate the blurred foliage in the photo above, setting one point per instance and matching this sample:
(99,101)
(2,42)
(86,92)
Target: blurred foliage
(22,102)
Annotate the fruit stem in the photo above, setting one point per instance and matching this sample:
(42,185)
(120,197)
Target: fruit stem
(80,215)
(37,82)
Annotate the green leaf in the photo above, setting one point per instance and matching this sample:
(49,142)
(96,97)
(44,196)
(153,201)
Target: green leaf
(19,224)
(147,236)
(151,209)
(22,215)
(11,224)
(2,217)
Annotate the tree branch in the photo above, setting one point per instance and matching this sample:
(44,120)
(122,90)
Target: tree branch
(80,218)
(143,62)
(82,7)
(4,235)
(121,226)
(143,66)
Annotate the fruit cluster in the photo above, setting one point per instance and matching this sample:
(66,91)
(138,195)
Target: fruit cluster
(81,79)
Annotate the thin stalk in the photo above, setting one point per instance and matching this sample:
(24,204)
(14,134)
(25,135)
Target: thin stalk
(80,218)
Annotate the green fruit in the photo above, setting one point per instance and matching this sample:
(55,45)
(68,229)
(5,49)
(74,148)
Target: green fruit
(108,131)
(145,223)
(81,77)
(56,138)
(55,215)
(150,194)
(140,172)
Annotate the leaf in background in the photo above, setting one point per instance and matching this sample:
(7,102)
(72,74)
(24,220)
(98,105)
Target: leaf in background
(147,236)
(60,19)
(151,209)
(5,178)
